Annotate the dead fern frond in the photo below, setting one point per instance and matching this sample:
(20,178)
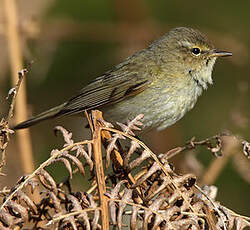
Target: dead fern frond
(142,190)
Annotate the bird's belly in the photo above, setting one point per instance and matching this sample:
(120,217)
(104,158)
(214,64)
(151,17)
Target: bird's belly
(159,111)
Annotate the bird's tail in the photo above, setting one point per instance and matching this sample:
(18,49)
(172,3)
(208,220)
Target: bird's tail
(51,113)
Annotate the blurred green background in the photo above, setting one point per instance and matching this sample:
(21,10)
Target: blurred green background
(72,42)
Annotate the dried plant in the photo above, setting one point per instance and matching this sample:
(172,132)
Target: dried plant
(142,192)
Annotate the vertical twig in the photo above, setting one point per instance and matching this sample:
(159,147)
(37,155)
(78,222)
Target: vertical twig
(21,75)
(4,124)
(15,56)
(99,169)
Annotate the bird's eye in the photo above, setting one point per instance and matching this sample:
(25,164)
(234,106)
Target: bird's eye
(196,51)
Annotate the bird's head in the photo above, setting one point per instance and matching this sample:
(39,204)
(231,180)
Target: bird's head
(190,54)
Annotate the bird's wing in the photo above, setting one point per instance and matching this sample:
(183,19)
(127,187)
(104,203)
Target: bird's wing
(109,88)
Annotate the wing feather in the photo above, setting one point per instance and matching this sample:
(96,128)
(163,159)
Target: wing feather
(109,88)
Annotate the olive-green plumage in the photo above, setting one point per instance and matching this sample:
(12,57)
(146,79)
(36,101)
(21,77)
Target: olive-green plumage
(162,82)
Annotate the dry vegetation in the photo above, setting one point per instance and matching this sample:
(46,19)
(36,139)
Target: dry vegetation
(140,191)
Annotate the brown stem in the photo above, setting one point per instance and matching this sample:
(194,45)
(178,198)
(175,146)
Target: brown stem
(99,169)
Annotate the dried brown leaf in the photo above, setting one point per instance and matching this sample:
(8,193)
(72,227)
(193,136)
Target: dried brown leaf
(55,201)
(114,194)
(167,214)
(187,180)
(66,135)
(95,220)
(69,220)
(77,207)
(111,146)
(17,208)
(153,169)
(76,162)
(155,206)
(127,197)
(134,218)
(105,123)
(135,163)
(164,183)
(33,183)
(133,146)
(132,125)
(8,219)
(81,152)
(47,180)
(185,224)
(22,196)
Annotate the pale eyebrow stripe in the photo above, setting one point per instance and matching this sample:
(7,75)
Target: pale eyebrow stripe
(191,45)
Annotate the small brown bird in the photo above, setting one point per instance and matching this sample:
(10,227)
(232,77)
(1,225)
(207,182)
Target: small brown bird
(162,82)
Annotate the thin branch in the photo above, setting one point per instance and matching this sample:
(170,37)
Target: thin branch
(75,213)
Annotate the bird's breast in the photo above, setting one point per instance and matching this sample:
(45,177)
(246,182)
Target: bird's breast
(178,102)
(161,104)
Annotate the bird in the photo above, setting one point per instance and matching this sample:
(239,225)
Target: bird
(162,81)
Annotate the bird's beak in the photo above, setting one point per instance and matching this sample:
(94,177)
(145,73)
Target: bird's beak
(217,53)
